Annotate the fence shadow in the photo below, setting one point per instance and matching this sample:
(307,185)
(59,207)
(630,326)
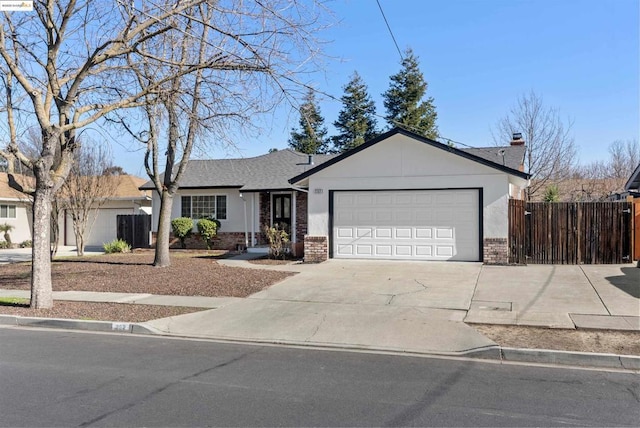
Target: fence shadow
(629,282)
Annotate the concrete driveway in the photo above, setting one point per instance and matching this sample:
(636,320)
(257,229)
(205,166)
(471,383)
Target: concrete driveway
(417,306)
(399,306)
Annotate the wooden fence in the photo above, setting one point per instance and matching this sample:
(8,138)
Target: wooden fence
(134,229)
(570,232)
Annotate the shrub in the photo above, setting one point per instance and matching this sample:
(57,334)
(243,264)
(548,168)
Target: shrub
(207,229)
(551,194)
(278,240)
(6,228)
(182,227)
(26,244)
(4,245)
(116,246)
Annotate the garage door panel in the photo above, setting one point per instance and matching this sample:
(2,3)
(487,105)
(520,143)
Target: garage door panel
(403,233)
(384,233)
(364,250)
(424,250)
(404,250)
(384,250)
(424,233)
(422,224)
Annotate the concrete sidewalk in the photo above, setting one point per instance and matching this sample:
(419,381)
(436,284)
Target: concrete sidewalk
(16,255)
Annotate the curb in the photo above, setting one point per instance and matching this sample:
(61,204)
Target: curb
(89,325)
(582,359)
(539,356)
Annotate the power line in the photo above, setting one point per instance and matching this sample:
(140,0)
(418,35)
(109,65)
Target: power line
(333,97)
(389,28)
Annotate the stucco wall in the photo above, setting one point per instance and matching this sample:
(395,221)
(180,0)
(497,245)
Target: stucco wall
(104,228)
(403,163)
(21,224)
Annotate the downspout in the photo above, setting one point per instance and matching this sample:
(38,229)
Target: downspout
(246,226)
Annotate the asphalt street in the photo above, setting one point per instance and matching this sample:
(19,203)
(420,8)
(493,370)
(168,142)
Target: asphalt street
(62,378)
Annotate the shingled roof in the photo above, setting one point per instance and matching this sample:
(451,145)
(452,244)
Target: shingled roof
(509,156)
(274,171)
(266,172)
(9,193)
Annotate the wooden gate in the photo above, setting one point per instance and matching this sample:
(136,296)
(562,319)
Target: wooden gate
(570,232)
(134,229)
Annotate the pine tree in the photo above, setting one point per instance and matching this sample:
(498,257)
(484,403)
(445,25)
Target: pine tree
(404,100)
(356,121)
(312,136)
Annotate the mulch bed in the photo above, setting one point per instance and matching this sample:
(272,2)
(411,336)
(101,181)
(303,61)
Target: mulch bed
(190,274)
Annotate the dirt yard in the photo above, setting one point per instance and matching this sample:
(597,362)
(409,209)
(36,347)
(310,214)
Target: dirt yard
(602,341)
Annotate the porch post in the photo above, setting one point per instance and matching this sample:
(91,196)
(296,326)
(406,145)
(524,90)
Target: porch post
(253,219)
(294,202)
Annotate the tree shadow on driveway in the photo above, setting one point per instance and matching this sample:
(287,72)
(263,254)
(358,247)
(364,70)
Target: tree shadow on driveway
(629,282)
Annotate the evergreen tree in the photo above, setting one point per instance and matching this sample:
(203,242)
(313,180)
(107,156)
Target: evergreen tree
(312,135)
(404,100)
(356,121)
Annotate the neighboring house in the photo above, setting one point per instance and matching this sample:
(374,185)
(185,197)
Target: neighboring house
(399,196)
(15,208)
(127,199)
(632,186)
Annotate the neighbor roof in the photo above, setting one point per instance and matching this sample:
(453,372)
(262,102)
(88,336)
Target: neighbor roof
(490,156)
(9,193)
(266,172)
(634,181)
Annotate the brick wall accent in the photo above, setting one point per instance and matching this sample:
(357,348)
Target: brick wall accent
(301,216)
(496,251)
(316,249)
(222,241)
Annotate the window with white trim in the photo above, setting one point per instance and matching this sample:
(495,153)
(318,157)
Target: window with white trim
(7,211)
(205,206)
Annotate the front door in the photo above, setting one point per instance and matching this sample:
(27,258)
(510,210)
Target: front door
(282,211)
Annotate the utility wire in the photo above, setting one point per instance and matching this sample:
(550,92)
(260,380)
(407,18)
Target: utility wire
(389,28)
(443,140)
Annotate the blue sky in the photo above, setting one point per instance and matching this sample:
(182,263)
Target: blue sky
(478,56)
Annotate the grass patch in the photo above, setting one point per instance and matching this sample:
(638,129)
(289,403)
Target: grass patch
(14,301)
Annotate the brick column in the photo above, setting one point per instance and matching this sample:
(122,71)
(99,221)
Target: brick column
(496,251)
(316,249)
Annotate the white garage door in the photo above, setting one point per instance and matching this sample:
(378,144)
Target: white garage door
(407,224)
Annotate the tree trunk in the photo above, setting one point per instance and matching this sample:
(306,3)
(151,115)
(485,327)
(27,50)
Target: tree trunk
(79,243)
(162,258)
(41,290)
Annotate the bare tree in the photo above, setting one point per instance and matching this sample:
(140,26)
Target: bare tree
(601,178)
(253,54)
(86,189)
(65,67)
(624,157)
(550,149)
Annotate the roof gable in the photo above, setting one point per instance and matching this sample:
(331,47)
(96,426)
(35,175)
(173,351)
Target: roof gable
(634,181)
(480,155)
